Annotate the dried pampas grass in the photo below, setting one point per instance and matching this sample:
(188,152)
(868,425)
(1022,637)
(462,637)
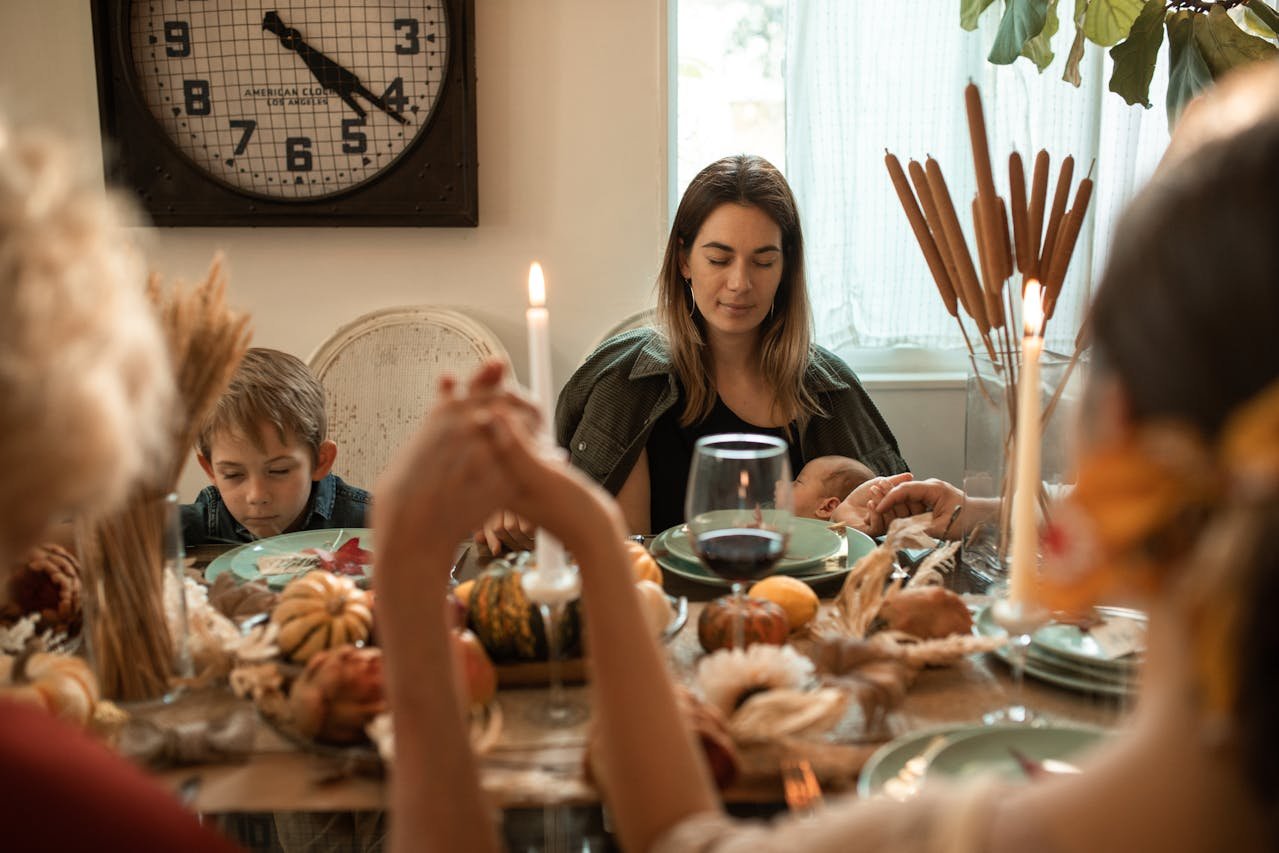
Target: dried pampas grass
(122,553)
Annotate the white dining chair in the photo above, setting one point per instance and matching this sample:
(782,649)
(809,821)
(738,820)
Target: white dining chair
(638,320)
(380,373)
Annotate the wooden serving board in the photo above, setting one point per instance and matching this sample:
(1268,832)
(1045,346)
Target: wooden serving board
(538,673)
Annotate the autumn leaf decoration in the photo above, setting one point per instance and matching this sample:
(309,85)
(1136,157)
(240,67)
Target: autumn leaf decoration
(1205,39)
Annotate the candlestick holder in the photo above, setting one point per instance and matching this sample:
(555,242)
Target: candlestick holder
(551,591)
(1020,620)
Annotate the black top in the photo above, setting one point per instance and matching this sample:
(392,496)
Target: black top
(670,456)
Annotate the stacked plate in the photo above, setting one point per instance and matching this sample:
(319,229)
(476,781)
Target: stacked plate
(814,553)
(1067,656)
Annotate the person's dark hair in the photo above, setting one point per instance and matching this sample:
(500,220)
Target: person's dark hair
(1187,319)
(785,335)
(1187,312)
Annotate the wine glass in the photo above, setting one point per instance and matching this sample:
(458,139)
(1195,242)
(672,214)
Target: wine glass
(551,589)
(738,508)
(1020,619)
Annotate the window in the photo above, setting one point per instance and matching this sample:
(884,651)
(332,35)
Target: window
(823,87)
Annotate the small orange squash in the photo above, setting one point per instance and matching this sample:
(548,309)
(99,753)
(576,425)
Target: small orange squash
(61,684)
(318,611)
(762,622)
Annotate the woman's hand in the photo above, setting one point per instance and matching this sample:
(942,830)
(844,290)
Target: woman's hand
(940,500)
(445,482)
(860,508)
(506,531)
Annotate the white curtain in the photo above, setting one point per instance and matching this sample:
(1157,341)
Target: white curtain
(863,77)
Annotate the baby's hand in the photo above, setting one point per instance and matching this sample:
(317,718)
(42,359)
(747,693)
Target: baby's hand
(860,508)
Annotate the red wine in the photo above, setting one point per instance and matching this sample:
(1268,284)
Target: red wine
(740,553)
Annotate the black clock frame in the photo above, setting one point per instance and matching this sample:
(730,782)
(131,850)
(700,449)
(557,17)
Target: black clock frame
(434,182)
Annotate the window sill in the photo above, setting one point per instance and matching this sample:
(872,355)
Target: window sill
(878,380)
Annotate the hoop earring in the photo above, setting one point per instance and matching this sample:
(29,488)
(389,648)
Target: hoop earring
(692,303)
(771,306)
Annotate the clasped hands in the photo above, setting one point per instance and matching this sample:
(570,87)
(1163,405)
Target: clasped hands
(476,454)
(873,505)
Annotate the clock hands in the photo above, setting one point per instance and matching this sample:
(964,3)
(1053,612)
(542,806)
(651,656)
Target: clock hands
(331,75)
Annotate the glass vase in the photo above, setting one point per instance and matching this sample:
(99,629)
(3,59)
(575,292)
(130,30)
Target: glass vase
(988,424)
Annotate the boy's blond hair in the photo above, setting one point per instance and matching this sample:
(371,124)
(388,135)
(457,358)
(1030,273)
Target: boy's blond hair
(270,387)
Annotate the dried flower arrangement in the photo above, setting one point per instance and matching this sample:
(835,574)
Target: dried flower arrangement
(122,554)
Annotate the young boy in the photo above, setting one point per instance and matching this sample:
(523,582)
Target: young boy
(824,482)
(265,451)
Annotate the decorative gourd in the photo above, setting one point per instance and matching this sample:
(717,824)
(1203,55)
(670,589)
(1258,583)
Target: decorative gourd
(643,566)
(508,625)
(762,622)
(48,583)
(61,684)
(792,595)
(338,693)
(656,606)
(321,611)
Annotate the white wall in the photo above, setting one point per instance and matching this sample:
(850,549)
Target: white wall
(572,153)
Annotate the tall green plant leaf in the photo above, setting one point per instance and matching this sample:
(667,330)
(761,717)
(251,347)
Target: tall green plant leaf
(1135,57)
(970,11)
(1022,21)
(1224,45)
(1266,14)
(1108,21)
(1039,49)
(1249,21)
(1071,72)
(1188,74)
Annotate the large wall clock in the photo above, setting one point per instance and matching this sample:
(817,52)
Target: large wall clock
(291,112)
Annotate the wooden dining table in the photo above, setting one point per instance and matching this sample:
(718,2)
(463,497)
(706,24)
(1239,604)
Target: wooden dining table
(532,766)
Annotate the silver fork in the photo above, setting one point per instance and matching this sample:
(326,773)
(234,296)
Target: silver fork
(800,786)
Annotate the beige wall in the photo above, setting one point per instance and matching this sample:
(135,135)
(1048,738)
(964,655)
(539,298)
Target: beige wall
(572,153)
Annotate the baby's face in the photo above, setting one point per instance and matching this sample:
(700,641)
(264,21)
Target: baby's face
(266,488)
(806,491)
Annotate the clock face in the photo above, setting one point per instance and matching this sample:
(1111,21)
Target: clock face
(290,99)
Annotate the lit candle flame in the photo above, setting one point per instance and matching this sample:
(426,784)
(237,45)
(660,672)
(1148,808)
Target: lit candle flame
(536,286)
(743,484)
(1032,308)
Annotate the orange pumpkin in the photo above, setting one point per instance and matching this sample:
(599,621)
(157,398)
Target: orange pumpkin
(643,566)
(762,622)
(63,685)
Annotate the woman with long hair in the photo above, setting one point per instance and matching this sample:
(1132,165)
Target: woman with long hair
(732,352)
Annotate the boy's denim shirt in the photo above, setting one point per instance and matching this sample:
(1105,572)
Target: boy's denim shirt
(333,504)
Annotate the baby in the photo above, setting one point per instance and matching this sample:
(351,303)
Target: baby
(824,482)
(265,451)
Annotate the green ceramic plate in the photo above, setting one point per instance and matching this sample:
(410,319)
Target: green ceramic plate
(887,761)
(1061,671)
(1068,641)
(811,542)
(858,545)
(222,563)
(988,750)
(244,561)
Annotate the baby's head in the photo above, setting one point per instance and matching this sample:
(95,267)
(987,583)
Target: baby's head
(824,482)
(264,444)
